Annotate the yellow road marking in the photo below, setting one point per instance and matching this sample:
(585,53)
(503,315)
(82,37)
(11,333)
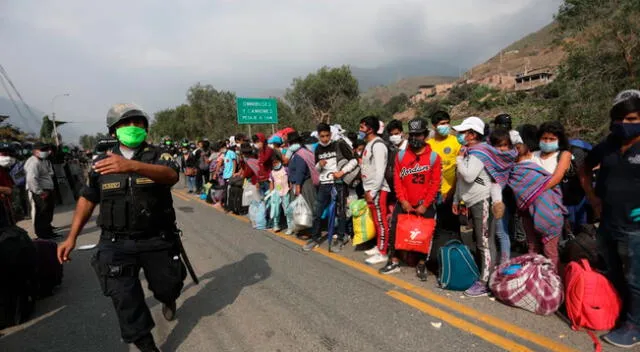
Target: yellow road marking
(505,343)
(496,322)
(180,195)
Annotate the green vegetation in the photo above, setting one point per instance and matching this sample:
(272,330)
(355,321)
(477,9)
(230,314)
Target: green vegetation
(602,59)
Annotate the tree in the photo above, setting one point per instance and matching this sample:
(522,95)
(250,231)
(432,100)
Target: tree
(396,104)
(602,59)
(322,94)
(88,142)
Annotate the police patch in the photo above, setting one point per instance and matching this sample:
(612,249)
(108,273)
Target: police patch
(112,185)
(166,156)
(143,181)
(447,150)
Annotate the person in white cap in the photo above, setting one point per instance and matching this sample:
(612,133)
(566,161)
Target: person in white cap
(473,187)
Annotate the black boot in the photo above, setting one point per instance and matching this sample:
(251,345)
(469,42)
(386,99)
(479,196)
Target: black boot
(169,310)
(146,344)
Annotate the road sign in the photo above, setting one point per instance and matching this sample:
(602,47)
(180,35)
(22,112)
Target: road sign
(255,111)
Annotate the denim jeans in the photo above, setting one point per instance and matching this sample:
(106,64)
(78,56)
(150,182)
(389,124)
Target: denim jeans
(322,202)
(504,240)
(620,251)
(191,183)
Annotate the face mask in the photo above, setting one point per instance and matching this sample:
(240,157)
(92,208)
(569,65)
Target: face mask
(362,135)
(7,161)
(131,136)
(443,130)
(43,155)
(416,144)
(277,166)
(625,131)
(461,139)
(395,139)
(549,147)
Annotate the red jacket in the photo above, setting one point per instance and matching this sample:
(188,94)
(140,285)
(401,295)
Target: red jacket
(416,179)
(265,156)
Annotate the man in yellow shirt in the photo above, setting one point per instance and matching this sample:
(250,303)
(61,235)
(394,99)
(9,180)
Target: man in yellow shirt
(447,147)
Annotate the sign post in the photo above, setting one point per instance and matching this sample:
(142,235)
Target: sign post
(257,111)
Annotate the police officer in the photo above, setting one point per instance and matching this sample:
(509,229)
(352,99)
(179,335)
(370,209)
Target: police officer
(132,183)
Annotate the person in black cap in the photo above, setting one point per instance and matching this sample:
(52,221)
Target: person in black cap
(505,121)
(40,187)
(132,183)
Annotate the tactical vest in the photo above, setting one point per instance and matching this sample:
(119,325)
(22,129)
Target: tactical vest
(133,204)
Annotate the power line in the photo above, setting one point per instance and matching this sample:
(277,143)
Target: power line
(6,76)
(6,89)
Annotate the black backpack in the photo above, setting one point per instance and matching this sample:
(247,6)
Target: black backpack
(392,151)
(572,192)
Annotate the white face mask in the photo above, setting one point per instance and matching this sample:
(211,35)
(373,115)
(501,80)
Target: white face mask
(43,154)
(395,139)
(7,161)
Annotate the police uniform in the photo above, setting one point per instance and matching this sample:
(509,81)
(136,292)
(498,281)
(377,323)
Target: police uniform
(138,226)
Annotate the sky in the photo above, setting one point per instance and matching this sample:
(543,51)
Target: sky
(150,51)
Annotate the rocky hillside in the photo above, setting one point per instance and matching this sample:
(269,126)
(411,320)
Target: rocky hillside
(408,86)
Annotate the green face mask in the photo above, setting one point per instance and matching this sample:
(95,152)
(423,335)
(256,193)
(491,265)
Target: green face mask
(131,136)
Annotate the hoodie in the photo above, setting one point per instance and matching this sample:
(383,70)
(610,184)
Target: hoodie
(265,155)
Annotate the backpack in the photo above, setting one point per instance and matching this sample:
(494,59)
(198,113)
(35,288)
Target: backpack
(49,271)
(592,301)
(307,156)
(572,192)
(392,151)
(352,178)
(18,276)
(458,269)
(18,174)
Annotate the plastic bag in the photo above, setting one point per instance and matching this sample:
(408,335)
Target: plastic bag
(257,215)
(414,233)
(249,194)
(364,229)
(302,216)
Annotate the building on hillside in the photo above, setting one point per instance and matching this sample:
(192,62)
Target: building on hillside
(534,78)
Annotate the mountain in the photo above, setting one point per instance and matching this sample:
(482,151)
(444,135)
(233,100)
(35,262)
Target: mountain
(400,69)
(31,123)
(536,51)
(408,86)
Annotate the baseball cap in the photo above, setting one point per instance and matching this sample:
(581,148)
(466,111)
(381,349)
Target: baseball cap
(473,123)
(418,125)
(625,95)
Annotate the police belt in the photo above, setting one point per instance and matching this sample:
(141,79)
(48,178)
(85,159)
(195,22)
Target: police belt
(132,235)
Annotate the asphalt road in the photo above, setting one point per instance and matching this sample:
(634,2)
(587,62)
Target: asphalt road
(260,292)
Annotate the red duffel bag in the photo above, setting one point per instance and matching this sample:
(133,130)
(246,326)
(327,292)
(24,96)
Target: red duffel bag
(414,233)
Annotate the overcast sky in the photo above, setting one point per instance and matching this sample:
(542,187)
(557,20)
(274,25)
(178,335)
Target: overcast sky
(151,51)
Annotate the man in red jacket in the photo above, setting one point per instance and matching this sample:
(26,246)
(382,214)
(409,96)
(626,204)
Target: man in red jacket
(265,161)
(418,172)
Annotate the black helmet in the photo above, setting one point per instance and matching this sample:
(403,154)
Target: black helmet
(121,112)
(184,142)
(503,120)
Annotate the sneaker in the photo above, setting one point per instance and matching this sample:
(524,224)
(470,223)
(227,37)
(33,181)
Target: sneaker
(336,246)
(421,271)
(276,229)
(390,268)
(310,245)
(625,336)
(478,289)
(377,259)
(289,232)
(372,251)
(169,311)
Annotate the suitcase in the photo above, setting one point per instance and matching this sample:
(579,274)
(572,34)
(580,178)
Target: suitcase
(17,276)
(48,269)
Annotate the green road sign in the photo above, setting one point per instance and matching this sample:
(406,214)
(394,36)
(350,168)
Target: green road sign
(254,111)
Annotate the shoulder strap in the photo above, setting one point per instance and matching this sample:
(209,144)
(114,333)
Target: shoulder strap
(432,159)
(373,145)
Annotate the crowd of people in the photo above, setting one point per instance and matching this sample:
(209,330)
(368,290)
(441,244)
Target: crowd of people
(526,189)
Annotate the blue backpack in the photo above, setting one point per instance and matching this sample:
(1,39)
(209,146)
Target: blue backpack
(458,269)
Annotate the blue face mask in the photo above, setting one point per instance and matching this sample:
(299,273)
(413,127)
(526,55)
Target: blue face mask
(461,139)
(549,147)
(362,135)
(625,131)
(443,130)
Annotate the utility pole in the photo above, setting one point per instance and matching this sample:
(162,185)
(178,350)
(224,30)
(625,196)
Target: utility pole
(53,116)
